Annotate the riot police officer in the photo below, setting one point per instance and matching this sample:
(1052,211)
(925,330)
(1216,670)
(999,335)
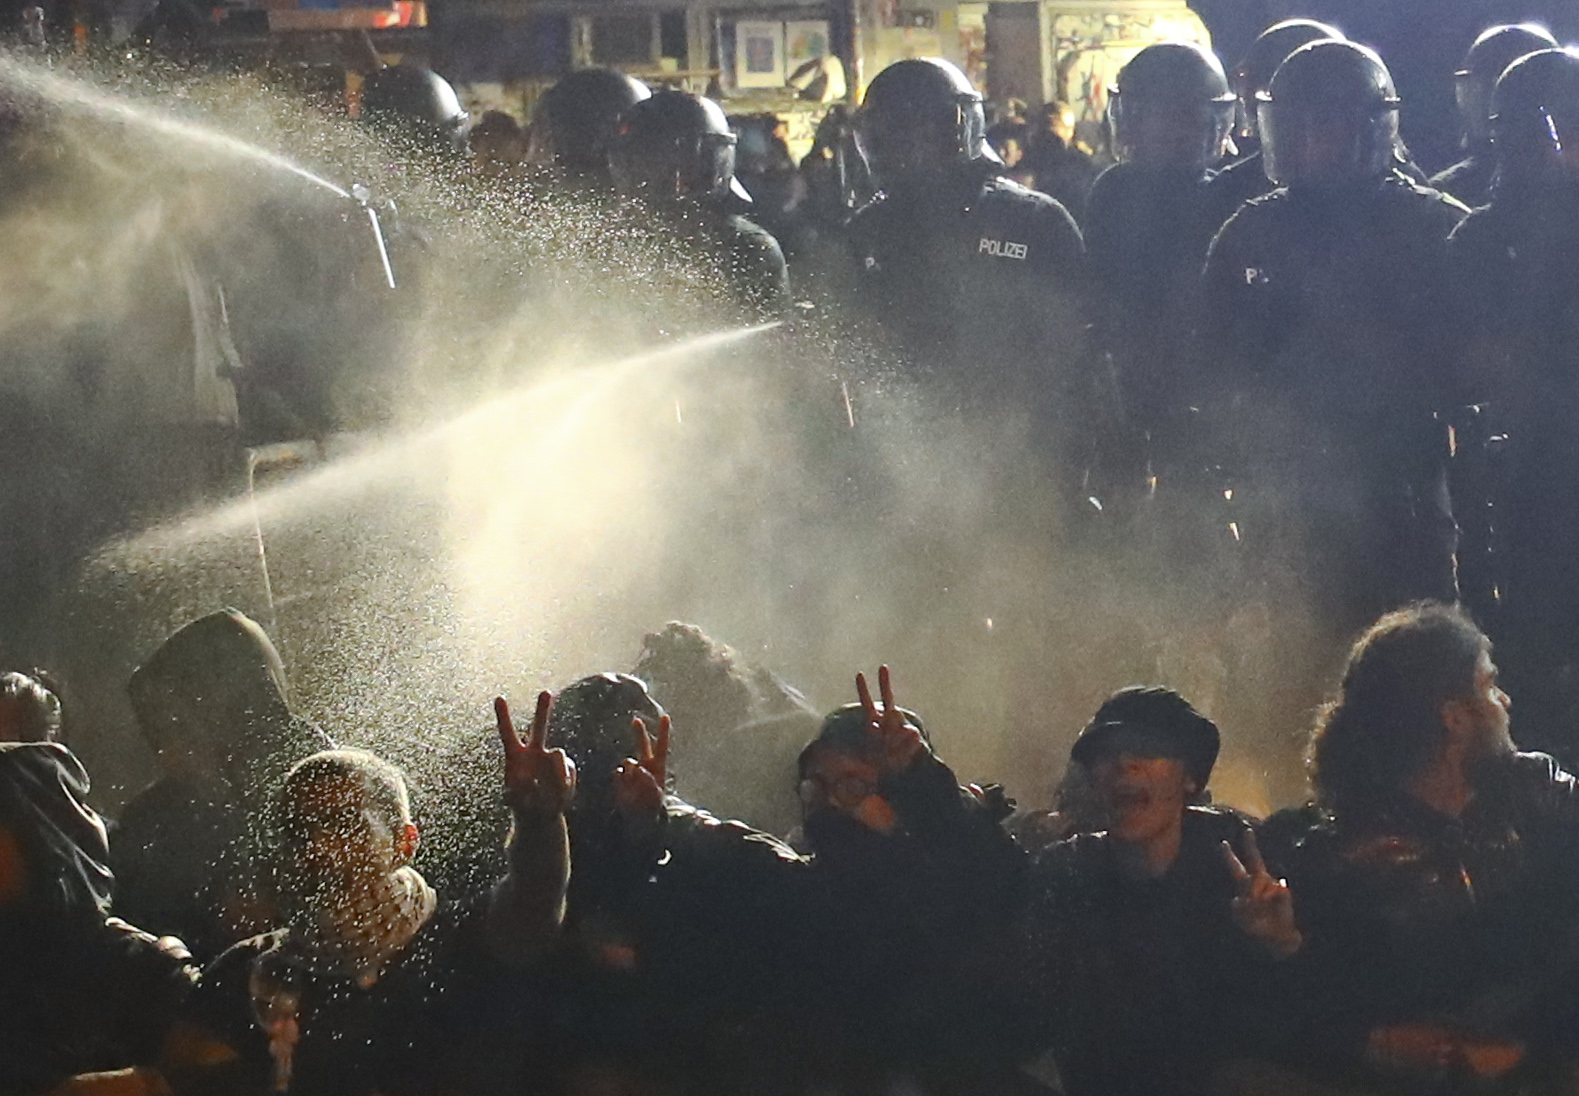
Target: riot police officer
(1244,179)
(674,153)
(971,274)
(1326,306)
(1494,50)
(417,104)
(1516,265)
(574,122)
(1147,226)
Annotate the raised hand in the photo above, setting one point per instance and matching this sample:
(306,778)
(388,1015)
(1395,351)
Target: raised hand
(1263,906)
(897,741)
(641,781)
(537,780)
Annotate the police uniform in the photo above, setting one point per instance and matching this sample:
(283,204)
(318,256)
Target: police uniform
(1332,314)
(977,276)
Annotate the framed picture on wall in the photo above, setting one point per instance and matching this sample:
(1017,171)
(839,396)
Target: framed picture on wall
(759,55)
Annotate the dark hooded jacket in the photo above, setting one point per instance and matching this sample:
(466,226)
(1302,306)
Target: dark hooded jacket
(213,696)
(82,991)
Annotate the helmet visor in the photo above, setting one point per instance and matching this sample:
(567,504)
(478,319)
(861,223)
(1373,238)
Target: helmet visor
(1326,144)
(910,139)
(674,168)
(1170,133)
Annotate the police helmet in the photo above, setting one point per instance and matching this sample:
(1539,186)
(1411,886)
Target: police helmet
(921,116)
(1270,49)
(1535,113)
(1494,50)
(675,146)
(574,121)
(1329,117)
(414,98)
(1171,107)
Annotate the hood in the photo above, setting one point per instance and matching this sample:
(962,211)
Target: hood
(62,841)
(215,692)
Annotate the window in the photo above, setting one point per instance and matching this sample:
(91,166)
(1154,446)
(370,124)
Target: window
(622,39)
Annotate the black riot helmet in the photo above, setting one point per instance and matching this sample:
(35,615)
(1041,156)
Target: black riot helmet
(1494,50)
(574,122)
(1330,117)
(1535,118)
(414,100)
(1171,108)
(920,118)
(673,147)
(1271,48)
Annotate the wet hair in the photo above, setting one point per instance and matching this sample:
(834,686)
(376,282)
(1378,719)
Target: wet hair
(382,784)
(592,718)
(844,730)
(1386,721)
(37,706)
(698,679)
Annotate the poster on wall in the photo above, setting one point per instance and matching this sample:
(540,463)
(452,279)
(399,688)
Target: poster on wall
(759,55)
(805,40)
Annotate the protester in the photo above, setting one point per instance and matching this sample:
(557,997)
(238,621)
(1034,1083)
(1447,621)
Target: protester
(374,982)
(88,998)
(1437,895)
(1155,940)
(211,703)
(29,709)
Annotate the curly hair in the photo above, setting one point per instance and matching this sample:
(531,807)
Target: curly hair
(1386,722)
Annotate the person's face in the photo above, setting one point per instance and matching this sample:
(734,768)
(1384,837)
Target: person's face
(1482,719)
(1142,797)
(336,837)
(842,784)
(1176,136)
(910,145)
(13,722)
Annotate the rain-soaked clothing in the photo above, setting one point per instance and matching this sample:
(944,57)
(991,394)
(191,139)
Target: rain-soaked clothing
(1142,987)
(1331,337)
(1147,233)
(678,965)
(976,280)
(915,921)
(1516,268)
(214,693)
(83,992)
(407,1032)
(1411,915)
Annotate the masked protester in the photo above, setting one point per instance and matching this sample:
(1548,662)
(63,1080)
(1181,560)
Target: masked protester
(88,999)
(972,276)
(920,881)
(1330,326)
(1515,266)
(1246,178)
(1147,228)
(211,703)
(376,983)
(676,966)
(574,123)
(1154,941)
(1496,48)
(1437,893)
(675,154)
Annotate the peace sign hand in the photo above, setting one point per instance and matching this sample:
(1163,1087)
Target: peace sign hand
(641,781)
(537,780)
(897,741)
(1263,906)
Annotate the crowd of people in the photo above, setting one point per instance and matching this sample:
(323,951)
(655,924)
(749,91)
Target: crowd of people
(1265,323)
